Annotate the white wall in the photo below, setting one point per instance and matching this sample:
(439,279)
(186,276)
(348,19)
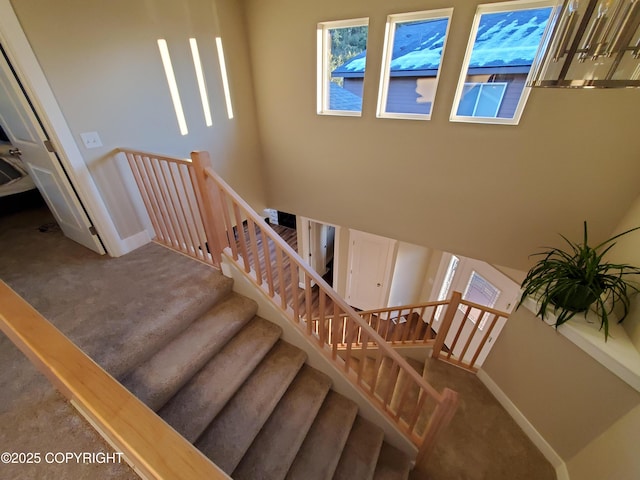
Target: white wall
(102,62)
(412,262)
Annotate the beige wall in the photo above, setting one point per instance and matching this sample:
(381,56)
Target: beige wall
(102,62)
(491,192)
(611,456)
(568,397)
(627,250)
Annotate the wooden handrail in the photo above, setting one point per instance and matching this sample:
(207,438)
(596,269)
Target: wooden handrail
(183,161)
(145,440)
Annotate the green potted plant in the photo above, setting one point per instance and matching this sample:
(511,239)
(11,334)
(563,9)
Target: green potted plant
(579,279)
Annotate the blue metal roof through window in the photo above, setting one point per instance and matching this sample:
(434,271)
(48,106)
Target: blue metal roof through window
(509,38)
(503,39)
(504,46)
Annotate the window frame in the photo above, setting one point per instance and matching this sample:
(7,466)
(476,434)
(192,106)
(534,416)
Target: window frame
(387,54)
(496,8)
(322,67)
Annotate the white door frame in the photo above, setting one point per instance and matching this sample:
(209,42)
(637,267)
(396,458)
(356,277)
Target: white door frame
(25,63)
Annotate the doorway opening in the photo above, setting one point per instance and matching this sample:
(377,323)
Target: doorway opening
(30,158)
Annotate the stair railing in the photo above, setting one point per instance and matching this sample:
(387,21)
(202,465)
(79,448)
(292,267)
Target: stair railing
(278,270)
(456,329)
(174,206)
(193,210)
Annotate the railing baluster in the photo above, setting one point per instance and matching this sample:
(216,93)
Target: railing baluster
(267,263)
(164,205)
(307,301)
(181,197)
(164,231)
(254,250)
(363,357)
(224,206)
(334,324)
(176,207)
(463,323)
(474,330)
(206,225)
(133,164)
(494,320)
(347,360)
(322,336)
(281,279)
(376,370)
(417,410)
(240,237)
(391,386)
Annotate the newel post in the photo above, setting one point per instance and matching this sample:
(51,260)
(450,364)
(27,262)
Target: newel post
(452,308)
(202,161)
(439,420)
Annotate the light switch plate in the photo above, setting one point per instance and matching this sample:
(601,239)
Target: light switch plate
(91,139)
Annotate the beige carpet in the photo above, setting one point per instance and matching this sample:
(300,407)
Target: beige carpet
(109,307)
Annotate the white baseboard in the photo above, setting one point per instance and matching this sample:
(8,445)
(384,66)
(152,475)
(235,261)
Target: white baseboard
(538,440)
(129,244)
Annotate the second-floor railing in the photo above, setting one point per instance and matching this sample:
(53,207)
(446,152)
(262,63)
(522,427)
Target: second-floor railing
(459,331)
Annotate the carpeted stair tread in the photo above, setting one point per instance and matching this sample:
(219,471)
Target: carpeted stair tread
(393,464)
(407,387)
(201,399)
(360,454)
(274,449)
(231,433)
(141,317)
(159,378)
(320,452)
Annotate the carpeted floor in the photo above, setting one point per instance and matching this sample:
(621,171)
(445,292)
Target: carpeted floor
(104,305)
(109,307)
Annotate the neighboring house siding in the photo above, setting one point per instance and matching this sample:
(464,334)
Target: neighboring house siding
(511,95)
(402,97)
(353,85)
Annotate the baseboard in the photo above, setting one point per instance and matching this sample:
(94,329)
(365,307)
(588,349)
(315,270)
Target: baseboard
(129,244)
(538,440)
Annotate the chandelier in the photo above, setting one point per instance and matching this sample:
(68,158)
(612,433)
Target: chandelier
(590,44)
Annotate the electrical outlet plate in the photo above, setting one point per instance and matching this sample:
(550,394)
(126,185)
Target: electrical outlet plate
(91,139)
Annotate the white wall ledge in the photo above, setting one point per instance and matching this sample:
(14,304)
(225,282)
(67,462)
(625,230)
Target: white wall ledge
(618,353)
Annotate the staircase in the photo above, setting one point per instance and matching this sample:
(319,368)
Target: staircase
(246,399)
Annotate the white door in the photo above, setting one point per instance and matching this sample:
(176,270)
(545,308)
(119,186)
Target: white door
(480,283)
(26,134)
(370,268)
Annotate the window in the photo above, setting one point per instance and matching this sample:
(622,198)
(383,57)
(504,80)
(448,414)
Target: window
(414,45)
(480,291)
(504,41)
(342,59)
(481,99)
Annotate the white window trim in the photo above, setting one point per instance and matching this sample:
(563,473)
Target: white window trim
(322,67)
(387,53)
(482,85)
(494,8)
